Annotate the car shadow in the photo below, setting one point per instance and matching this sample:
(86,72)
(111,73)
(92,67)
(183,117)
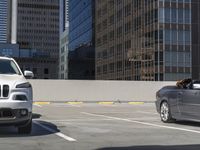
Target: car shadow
(175,147)
(37,129)
(36,116)
(188,123)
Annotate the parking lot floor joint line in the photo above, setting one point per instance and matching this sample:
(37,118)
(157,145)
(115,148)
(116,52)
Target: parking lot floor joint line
(143,123)
(37,105)
(59,134)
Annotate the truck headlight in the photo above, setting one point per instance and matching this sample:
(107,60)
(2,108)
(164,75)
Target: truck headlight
(24,85)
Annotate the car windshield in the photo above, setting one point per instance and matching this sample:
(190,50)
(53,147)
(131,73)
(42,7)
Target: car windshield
(8,67)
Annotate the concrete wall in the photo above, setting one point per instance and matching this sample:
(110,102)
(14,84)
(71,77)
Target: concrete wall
(72,90)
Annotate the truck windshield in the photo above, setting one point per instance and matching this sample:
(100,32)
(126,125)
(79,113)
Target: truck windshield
(8,67)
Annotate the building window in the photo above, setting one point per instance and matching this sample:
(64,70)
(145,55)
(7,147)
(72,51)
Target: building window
(119,66)
(111,20)
(111,35)
(35,70)
(46,71)
(105,54)
(111,52)
(98,70)
(104,69)
(111,67)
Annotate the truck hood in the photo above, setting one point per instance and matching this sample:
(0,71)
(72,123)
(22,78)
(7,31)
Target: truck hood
(11,80)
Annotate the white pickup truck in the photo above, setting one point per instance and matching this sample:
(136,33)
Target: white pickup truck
(15,96)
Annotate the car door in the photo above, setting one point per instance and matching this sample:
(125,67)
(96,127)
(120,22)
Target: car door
(189,102)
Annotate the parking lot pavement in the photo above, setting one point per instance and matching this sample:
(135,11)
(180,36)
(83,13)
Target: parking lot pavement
(101,127)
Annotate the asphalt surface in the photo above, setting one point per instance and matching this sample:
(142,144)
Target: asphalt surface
(101,127)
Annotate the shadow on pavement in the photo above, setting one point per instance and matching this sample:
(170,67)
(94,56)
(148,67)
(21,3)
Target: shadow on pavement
(37,129)
(176,147)
(36,116)
(188,123)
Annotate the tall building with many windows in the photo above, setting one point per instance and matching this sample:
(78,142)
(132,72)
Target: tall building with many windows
(81,39)
(143,40)
(34,26)
(64,39)
(3,21)
(196,39)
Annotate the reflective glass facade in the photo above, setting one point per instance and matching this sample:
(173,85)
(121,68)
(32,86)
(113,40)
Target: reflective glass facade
(80,23)
(143,39)
(3,20)
(196,39)
(175,23)
(81,40)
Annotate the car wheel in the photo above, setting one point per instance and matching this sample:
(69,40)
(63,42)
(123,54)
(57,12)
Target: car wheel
(25,129)
(165,113)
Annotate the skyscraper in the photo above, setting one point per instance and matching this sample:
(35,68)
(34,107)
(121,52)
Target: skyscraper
(64,33)
(34,25)
(143,40)
(81,39)
(196,39)
(3,20)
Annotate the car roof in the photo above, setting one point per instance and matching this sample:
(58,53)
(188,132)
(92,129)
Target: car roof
(5,58)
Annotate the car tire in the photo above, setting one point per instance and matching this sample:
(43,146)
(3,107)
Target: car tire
(25,129)
(165,113)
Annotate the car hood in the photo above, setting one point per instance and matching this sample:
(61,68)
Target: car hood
(12,80)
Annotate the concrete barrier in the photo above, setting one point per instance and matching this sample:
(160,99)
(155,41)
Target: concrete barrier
(92,91)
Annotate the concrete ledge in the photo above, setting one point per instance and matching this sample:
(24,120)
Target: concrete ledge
(91,102)
(95,91)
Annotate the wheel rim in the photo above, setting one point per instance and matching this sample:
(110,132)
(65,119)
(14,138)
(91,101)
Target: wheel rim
(164,111)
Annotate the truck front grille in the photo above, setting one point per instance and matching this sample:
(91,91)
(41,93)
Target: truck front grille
(4,91)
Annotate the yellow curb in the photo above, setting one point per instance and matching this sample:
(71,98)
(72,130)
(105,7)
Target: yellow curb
(106,103)
(136,103)
(74,103)
(41,103)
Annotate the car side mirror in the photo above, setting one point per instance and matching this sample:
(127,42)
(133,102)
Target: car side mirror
(28,74)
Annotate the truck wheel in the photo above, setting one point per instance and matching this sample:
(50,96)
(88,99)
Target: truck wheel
(165,113)
(25,129)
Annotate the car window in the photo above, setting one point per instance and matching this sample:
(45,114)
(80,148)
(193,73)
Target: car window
(8,67)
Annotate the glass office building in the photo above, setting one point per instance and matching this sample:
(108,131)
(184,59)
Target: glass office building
(63,44)
(196,39)
(80,23)
(81,39)
(143,39)
(3,20)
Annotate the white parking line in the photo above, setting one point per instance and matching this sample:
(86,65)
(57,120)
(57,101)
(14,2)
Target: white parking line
(70,120)
(150,113)
(65,137)
(143,123)
(73,105)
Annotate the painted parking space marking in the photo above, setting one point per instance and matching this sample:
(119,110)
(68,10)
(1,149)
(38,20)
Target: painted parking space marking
(74,103)
(59,134)
(143,123)
(136,103)
(106,103)
(41,103)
